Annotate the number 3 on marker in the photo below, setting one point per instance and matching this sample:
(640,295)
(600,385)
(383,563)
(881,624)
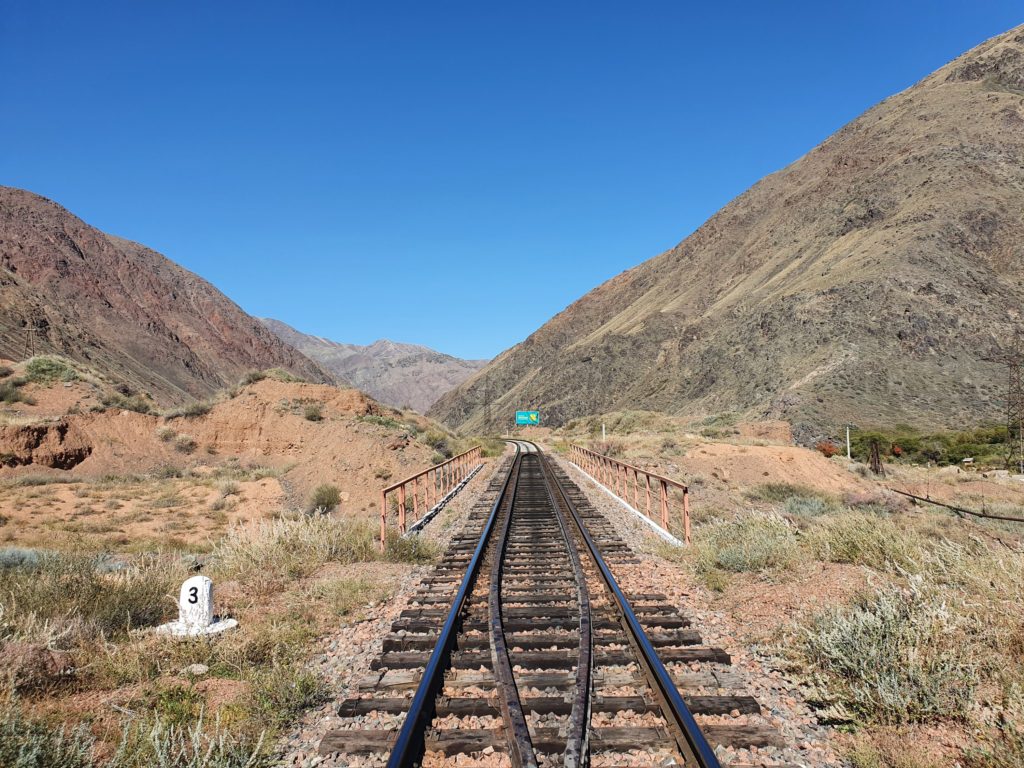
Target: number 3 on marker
(193,595)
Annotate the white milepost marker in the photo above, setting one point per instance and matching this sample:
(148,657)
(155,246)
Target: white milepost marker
(195,602)
(195,611)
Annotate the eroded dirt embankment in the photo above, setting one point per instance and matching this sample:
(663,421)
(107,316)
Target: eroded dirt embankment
(55,445)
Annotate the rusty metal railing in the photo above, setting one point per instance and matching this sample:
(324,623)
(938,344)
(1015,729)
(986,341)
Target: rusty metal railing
(426,489)
(618,476)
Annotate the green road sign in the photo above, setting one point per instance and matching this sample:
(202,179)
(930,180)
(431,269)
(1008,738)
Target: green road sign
(527,418)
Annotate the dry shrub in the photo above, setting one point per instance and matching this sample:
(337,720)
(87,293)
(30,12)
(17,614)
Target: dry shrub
(185,444)
(282,548)
(755,542)
(324,498)
(863,539)
(30,744)
(32,667)
(826,448)
(895,656)
(609,448)
(886,751)
(191,410)
(1004,749)
(780,493)
(66,599)
(194,744)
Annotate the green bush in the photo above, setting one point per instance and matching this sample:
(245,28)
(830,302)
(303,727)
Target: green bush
(47,369)
(313,412)
(894,657)
(381,421)
(5,371)
(408,549)
(492,447)
(325,498)
(175,705)
(987,444)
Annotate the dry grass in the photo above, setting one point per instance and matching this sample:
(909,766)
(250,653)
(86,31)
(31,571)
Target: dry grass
(70,622)
(757,542)
(268,552)
(896,656)
(936,640)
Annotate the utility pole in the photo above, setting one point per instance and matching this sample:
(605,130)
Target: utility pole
(849,455)
(1014,403)
(603,437)
(1015,412)
(487,405)
(30,340)
(876,459)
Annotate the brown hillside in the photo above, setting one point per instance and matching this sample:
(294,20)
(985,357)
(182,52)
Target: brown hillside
(868,281)
(122,308)
(356,443)
(394,373)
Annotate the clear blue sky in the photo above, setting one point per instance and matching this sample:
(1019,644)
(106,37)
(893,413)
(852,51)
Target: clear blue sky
(446,173)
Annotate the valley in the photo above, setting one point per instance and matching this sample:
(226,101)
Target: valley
(772,517)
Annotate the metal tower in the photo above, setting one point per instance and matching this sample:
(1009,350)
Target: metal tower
(1015,412)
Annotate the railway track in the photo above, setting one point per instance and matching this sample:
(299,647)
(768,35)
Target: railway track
(522,649)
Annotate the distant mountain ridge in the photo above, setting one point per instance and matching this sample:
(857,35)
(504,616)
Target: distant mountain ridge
(122,308)
(392,372)
(873,280)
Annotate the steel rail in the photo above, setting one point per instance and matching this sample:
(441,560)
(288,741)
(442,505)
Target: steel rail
(520,744)
(576,747)
(409,745)
(693,746)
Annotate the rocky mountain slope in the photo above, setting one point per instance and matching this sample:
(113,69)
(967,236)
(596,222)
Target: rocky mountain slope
(871,281)
(397,374)
(122,308)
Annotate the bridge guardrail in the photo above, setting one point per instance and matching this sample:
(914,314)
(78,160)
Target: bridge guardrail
(616,476)
(428,488)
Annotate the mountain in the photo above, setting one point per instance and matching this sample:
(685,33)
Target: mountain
(393,373)
(122,308)
(873,280)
